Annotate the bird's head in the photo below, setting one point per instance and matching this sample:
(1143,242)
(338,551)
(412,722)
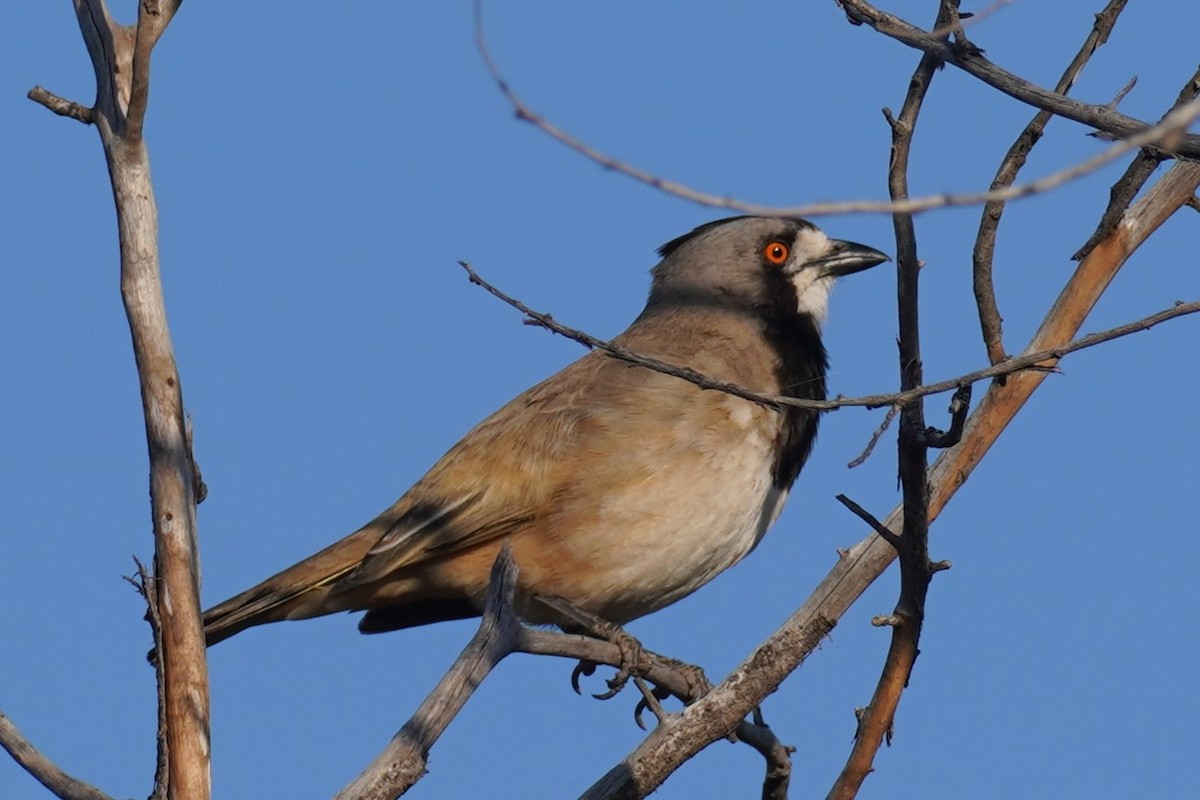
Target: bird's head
(768,264)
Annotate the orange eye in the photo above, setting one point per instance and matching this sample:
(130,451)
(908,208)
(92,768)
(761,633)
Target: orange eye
(775,252)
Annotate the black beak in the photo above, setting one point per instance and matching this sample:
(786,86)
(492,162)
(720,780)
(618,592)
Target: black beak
(846,258)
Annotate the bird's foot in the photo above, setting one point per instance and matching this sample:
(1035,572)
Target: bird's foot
(634,661)
(697,682)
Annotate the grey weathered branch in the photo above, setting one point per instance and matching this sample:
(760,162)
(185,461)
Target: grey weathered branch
(1166,134)
(1130,183)
(120,57)
(500,634)
(972,61)
(47,773)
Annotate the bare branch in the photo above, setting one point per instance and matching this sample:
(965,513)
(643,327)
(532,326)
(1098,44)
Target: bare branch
(972,61)
(152,21)
(60,105)
(1006,174)
(500,633)
(144,584)
(1165,135)
(46,772)
(884,532)
(960,404)
(402,762)
(1007,367)
(875,721)
(120,59)
(883,426)
(1138,172)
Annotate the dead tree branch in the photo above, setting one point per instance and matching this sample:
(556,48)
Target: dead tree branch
(47,773)
(972,61)
(1136,175)
(876,720)
(403,762)
(985,241)
(1168,135)
(120,56)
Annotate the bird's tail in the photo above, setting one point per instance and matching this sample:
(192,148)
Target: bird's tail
(298,592)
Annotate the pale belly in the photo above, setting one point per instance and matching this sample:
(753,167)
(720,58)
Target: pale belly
(656,543)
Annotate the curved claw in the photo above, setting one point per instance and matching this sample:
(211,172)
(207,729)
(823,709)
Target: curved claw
(659,693)
(637,713)
(583,668)
(615,684)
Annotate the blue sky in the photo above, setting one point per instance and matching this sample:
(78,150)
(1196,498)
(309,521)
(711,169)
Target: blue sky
(318,174)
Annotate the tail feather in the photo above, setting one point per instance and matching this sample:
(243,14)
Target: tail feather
(298,592)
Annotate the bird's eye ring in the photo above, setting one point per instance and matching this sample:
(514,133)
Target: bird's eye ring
(775,252)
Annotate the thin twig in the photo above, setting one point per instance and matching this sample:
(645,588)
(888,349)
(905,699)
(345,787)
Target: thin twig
(1136,175)
(883,426)
(1006,367)
(974,63)
(886,533)
(985,240)
(1124,90)
(1135,135)
(147,588)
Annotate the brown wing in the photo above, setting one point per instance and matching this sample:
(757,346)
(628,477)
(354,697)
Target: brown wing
(495,482)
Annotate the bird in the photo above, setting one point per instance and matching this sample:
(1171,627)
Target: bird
(620,489)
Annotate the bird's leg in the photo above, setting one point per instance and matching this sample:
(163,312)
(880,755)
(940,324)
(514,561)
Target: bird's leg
(575,620)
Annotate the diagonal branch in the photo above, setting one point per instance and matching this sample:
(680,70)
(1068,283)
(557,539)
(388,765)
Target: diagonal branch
(47,773)
(972,61)
(1136,175)
(1140,136)
(403,761)
(1009,366)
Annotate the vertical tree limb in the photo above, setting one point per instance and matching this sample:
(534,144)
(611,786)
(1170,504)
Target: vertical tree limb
(120,56)
(875,722)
